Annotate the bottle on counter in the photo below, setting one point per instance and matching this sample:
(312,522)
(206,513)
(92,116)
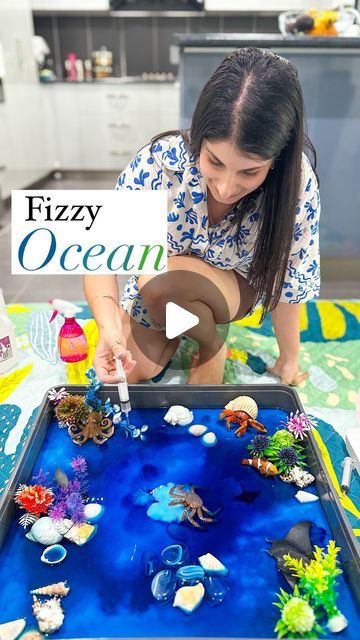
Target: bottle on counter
(70,67)
(9,354)
(88,70)
(79,70)
(102,63)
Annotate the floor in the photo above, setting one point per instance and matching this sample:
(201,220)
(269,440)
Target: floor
(340,278)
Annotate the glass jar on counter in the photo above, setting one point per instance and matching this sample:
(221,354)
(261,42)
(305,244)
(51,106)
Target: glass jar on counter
(102,63)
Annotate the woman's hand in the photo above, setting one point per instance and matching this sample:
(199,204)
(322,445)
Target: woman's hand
(288,371)
(111,345)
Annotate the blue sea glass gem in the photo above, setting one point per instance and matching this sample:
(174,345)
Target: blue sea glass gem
(54,554)
(175,555)
(216,588)
(190,575)
(163,585)
(150,563)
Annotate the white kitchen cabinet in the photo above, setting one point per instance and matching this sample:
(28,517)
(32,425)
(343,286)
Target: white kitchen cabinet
(100,127)
(24,152)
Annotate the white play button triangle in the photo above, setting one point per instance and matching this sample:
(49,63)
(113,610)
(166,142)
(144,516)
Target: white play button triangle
(178,320)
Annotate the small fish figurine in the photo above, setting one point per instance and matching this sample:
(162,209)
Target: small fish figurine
(265,467)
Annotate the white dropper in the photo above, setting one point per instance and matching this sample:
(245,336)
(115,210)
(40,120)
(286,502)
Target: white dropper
(123,388)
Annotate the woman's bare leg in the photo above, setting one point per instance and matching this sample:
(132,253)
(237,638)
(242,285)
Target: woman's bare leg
(214,297)
(159,352)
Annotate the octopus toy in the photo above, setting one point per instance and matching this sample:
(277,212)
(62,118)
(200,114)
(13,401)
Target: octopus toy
(242,411)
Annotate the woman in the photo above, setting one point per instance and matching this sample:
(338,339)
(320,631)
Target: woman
(243,211)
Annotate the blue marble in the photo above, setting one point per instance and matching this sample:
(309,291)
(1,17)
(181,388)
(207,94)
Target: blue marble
(216,588)
(150,563)
(190,574)
(163,585)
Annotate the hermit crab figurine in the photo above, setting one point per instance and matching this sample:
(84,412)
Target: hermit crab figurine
(242,411)
(193,505)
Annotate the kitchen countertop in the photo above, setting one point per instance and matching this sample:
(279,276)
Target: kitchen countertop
(267,39)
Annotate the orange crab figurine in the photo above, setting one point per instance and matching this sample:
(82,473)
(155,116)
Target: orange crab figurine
(242,411)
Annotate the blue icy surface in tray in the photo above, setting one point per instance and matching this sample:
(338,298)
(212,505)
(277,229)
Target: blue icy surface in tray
(110,594)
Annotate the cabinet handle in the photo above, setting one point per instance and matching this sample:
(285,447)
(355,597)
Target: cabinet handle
(120,153)
(118,125)
(115,96)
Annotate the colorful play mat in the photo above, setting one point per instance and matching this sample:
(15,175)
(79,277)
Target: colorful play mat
(330,352)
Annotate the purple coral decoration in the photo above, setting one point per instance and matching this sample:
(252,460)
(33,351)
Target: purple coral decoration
(79,466)
(288,456)
(75,508)
(58,511)
(259,444)
(299,424)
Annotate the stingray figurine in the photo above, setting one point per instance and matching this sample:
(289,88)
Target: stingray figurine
(297,543)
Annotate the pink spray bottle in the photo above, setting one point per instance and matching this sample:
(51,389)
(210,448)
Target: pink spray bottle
(72,343)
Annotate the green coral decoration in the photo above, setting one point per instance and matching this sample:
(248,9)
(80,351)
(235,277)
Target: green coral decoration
(318,578)
(282,449)
(298,618)
(315,592)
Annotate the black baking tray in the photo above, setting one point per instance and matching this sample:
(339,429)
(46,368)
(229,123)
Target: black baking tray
(163,396)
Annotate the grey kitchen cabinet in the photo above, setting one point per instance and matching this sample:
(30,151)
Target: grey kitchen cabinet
(329,72)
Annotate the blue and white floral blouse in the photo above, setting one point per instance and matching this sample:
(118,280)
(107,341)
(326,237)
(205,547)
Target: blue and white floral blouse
(171,167)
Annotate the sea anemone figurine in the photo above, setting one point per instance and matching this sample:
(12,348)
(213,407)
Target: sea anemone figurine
(72,410)
(288,458)
(55,396)
(258,445)
(299,424)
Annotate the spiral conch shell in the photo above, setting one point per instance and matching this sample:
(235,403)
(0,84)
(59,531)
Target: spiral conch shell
(49,614)
(243,403)
(56,589)
(11,630)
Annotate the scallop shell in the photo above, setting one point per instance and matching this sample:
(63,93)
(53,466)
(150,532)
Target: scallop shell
(11,630)
(209,439)
(243,403)
(81,533)
(306,496)
(44,531)
(189,598)
(197,430)
(49,614)
(212,565)
(57,589)
(177,414)
(93,511)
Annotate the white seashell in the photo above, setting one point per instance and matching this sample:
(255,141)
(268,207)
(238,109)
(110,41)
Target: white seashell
(209,439)
(56,589)
(11,630)
(93,511)
(197,430)
(44,531)
(180,415)
(243,403)
(305,496)
(337,623)
(212,565)
(49,614)
(31,634)
(300,477)
(189,598)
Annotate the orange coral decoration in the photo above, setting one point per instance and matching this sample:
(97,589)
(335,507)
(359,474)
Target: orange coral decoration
(34,498)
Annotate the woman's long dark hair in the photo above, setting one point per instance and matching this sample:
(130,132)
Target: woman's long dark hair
(255,100)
